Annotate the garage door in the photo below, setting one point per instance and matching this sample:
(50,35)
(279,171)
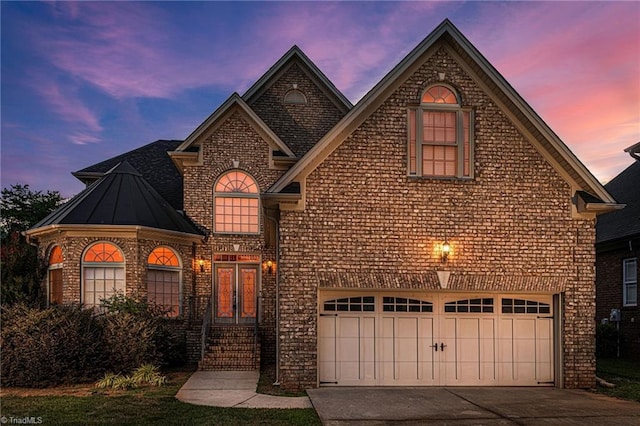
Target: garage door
(441,340)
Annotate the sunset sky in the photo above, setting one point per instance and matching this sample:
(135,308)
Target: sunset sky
(82,82)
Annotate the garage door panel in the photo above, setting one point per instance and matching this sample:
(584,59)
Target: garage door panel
(544,353)
(327,349)
(477,343)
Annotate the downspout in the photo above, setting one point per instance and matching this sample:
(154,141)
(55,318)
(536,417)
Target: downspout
(277,226)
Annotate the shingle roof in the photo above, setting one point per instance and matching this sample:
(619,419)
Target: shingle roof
(153,163)
(625,188)
(120,197)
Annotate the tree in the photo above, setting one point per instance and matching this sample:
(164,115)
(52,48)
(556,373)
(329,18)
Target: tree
(21,270)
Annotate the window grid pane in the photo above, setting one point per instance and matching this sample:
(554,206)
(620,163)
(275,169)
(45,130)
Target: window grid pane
(55,286)
(101,283)
(163,289)
(630,282)
(237,215)
(163,256)
(351,304)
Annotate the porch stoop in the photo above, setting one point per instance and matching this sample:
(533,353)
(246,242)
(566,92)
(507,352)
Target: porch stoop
(231,348)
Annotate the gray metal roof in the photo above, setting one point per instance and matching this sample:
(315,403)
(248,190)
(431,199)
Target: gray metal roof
(153,162)
(625,223)
(121,197)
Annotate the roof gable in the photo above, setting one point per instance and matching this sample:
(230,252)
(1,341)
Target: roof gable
(234,102)
(488,78)
(121,197)
(296,55)
(626,222)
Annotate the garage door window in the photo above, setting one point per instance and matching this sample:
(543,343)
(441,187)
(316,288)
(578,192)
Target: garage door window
(351,304)
(520,306)
(470,305)
(402,304)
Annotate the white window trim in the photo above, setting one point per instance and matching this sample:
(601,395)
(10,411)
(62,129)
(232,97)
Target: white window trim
(178,269)
(217,194)
(628,282)
(85,265)
(459,140)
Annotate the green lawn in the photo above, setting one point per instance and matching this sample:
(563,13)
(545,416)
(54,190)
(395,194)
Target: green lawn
(145,406)
(624,374)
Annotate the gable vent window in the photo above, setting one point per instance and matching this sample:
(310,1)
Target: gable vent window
(440,136)
(295,97)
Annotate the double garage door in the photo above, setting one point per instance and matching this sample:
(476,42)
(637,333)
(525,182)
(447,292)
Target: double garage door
(382,339)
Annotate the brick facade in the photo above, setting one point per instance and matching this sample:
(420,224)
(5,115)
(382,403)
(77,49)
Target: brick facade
(364,215)
(609,296)
(362,222)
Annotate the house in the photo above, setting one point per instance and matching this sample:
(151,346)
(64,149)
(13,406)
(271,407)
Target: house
(617,253)
(436,233)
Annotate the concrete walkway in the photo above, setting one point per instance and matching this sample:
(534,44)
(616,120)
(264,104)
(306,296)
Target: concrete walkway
(233,389)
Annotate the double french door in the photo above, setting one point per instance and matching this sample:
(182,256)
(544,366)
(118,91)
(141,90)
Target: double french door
(235,295)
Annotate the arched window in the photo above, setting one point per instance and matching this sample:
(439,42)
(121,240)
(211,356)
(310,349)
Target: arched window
(236,199)
(102,273)
(295,97)
(163,280)
(440,135)
(55,275)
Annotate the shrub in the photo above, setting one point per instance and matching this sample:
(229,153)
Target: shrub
(50,346)
(129,341)
(47,347)
(138,332)
(146,374)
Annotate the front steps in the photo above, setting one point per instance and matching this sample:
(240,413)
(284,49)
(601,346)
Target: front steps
(231,348)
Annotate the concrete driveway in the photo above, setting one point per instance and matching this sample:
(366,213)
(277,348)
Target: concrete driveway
(470,406)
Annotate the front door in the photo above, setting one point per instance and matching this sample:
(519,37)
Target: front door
(235,293)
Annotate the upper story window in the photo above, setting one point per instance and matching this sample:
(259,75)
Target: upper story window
(630,282)
(163,280)
(440,136)
(55,275)
(295,97)
(102,273)
(236,199)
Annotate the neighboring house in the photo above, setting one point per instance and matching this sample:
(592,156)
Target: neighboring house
(617,254)
(436,233)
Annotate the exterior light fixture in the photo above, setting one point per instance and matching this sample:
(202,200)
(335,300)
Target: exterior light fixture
(269,266)
(201,263)
(446,250)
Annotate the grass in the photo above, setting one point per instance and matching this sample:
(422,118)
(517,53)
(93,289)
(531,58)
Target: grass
(146,405)
(625,374)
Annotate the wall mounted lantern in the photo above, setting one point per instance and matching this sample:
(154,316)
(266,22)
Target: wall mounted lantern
(446,250)
(201,263)
(269,264)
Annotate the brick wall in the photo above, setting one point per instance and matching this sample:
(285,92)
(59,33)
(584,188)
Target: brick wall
(363,214)
(609,296)
(135,251)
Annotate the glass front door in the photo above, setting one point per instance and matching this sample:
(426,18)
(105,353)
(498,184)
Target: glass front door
(235,292)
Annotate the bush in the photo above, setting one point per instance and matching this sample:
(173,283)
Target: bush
(47,347)
(137,333)
(606,340)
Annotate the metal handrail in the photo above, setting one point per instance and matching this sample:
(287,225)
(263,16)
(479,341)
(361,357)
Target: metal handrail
(206,327)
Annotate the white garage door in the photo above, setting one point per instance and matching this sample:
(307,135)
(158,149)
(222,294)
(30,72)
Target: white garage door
(441,340)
